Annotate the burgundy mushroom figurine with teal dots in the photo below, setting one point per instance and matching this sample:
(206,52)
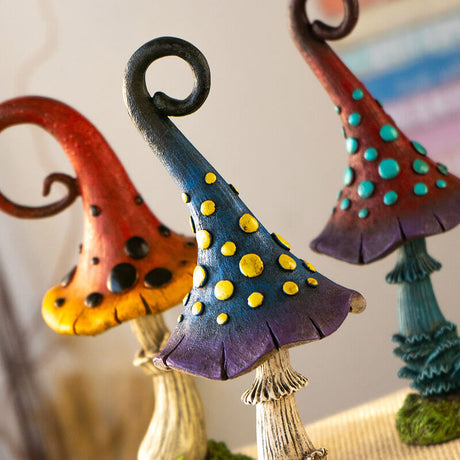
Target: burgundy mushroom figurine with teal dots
(393,197)
(252,298)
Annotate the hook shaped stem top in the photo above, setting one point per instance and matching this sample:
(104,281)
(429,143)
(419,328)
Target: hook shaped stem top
(135,88)
(301,24)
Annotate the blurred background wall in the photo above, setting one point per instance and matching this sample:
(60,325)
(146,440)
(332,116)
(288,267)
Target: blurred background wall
(267,126)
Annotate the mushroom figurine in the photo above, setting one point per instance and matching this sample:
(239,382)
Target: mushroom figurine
(131,268)
(393,197)
(252,298)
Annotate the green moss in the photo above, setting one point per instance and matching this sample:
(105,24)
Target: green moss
(424,421)
(219,451)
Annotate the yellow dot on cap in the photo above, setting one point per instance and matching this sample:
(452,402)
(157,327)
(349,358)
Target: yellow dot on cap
(223,290)
(192,224)
(186,198)
(197,308)
(228,248)
(248,223)
(290,288)
(210,178)
(281,241)
(312,282)
(287,262)
(309,266)
(203,238)
(251,265)
(180,318)
(186,299)
(222,318)
(255,299)
(199,276)
(208,207)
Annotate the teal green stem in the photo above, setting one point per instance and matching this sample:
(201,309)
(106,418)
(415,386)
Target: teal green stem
(427,343)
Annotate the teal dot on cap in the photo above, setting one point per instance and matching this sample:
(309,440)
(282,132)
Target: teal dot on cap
(348,176)
(370,154)
(441,183)
(419,147)
(345,204)
(363,213)
(420,189)
(442,168)
(388,133)
(354,119)
(420,167)
(366,189)
(337,109)
(390,198)
(351,145)
(344,133)
(357,94)
(388,168)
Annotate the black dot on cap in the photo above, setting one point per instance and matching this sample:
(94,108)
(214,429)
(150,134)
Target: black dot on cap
(95,260)
(190,244)
(80,248)
(69,277)
(59,302)
(121,277)
(138,200)
(157,277)
(136,247)
(94,299)
(95,210)
(164,230)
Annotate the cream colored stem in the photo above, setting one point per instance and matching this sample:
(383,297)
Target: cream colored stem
(280,432)
(177,426)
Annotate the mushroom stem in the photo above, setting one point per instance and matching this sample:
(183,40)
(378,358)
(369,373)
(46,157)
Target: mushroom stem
(177,426)
(280,432)
(427,342)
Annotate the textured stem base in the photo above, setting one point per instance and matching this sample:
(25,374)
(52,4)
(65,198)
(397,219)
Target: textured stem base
(177,428)
(422,421)
(280,432)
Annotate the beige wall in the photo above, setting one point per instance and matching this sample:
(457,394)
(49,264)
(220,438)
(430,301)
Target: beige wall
(267,126)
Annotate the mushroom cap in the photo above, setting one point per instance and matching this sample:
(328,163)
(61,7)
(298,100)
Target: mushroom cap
(393,193)
(130,264)
(251,295)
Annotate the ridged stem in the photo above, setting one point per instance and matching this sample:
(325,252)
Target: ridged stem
(177,427)
(280,432)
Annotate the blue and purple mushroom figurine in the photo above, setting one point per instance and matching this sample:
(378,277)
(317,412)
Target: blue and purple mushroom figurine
(393,196)
(252,298)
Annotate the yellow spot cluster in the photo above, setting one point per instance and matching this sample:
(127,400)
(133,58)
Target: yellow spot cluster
(186,298)
(180,318)
(210,178)
(223,289)
(251,265)
(248,223)
(255,299)
(312,282)
(203,238)
(199,276)
(309,266)
(208,208)
(287,262)
(290,288)
(186,198)
(228,249)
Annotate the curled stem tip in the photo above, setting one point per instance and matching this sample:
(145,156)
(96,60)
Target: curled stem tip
(30,212)
(302,25)
(135,88)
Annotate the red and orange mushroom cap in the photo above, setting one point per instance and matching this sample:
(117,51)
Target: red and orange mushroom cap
(130,264)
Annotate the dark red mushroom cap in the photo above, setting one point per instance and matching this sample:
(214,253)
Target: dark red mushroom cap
(392,191)
(130,263)
(250,295)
